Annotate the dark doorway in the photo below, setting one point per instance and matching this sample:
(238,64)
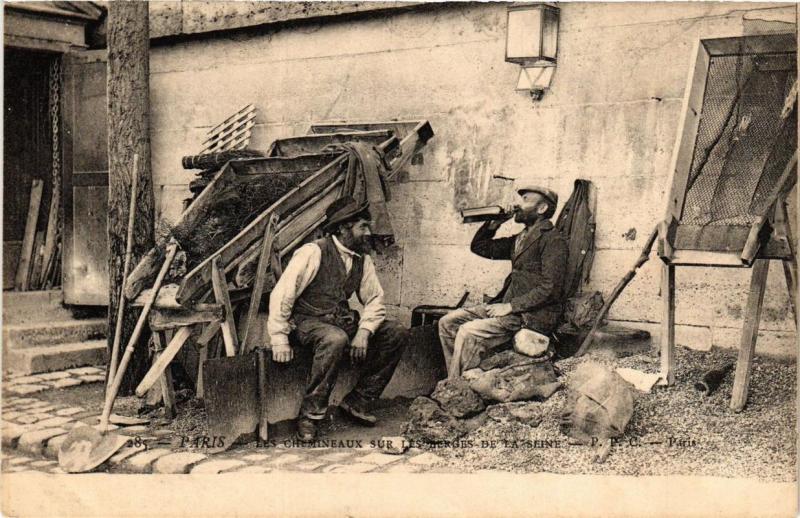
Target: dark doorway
(27,148)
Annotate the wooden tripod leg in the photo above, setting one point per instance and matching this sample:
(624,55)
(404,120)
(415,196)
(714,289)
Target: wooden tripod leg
(783,226)
(668,324)
(167,388)
(747,347)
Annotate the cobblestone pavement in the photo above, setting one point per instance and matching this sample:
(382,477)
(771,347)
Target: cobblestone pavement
(34,428)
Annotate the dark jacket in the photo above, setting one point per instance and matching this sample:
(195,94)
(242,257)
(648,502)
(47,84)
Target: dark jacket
(535,285)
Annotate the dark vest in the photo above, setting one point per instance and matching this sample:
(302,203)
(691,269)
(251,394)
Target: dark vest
(331,288)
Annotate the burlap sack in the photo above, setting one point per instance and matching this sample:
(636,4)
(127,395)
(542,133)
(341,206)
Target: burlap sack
(599,404)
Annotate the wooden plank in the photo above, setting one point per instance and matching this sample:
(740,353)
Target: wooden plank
(51,234)
(229,140)
(209,332)
(706,258)
(400,128)
(36,268)
(164,359)
(748,45)
(220,285)
(162,319)
(668,324)
(268,241)
(194,281)
(315,143)
(263,387)
(202,356)
(165,380)
(304,220)
(687,132)
(747,347)
(230,122)
(21,281)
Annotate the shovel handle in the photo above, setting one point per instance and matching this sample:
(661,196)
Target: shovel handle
(137,331)
(112,366)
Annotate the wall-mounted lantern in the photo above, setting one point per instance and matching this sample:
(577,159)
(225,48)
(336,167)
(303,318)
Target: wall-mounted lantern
(532,43)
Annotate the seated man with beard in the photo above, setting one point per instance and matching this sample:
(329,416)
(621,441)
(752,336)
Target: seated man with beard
(311,298)
(532,294)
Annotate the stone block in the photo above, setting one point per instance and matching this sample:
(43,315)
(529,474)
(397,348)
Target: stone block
(308,466)
(252,469)
(66,383)
(216,466)
(84,371)
(381,459)
(125,453)
(425,459)
(456,398)
(52,422)
(34,441)
(27,389)
(177,462)
(54,445)
(11,433)
(350,468)
(70,411)
(50,376)
(143,462)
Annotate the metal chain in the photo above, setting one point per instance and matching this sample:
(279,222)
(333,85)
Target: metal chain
(55,109)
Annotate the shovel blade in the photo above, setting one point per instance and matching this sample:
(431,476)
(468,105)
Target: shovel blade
(85,449)
(231,397)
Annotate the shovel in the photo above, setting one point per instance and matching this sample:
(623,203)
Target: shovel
(85,447)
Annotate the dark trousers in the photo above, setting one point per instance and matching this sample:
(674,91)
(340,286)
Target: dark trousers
(330,343)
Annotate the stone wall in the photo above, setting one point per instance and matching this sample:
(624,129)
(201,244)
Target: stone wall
(611,117)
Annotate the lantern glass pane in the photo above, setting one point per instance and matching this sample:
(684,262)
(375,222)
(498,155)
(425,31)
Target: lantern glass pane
(524,34)
(550,34)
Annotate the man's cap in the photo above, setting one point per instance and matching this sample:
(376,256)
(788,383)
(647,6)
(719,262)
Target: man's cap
(343,209)
(551,196)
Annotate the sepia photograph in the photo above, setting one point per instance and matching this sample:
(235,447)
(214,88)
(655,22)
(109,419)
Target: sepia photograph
(399,258)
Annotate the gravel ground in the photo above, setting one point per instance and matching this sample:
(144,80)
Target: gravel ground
(758,443)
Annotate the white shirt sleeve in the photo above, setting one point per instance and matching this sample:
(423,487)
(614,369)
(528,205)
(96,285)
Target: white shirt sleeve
(370,294)
(301,270)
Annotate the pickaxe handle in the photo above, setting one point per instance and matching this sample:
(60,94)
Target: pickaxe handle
(645,255)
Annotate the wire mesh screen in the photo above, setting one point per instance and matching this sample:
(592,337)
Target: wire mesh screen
(743,142)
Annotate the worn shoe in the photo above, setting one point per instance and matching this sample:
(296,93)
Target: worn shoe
(306,429)
(357,411)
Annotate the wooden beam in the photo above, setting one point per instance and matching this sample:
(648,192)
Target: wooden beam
(164,359)
(22,279)
(220,285)
(268,242)
(162,319)
(747,347)
(668,324)
(315,143)
(165,380)
(51,234)
(691,112)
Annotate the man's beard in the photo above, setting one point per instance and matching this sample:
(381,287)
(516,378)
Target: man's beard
(526,217)
(361,245)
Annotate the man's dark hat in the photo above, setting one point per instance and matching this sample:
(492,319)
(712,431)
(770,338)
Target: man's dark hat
(343,209)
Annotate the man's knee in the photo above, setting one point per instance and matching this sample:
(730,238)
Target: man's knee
(334,340)
(448,324)
(394,334)
(471,329)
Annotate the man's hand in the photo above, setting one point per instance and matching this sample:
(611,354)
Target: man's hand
(358,346)
(282,353)
(498,310)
